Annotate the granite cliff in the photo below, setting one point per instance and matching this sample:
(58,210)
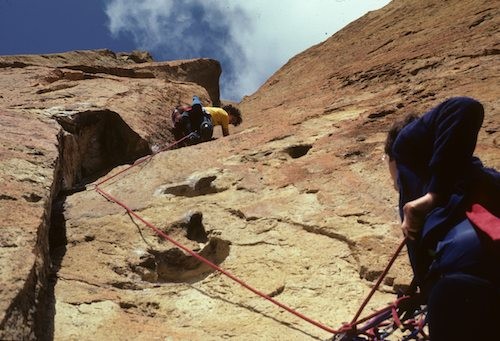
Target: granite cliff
(296,201)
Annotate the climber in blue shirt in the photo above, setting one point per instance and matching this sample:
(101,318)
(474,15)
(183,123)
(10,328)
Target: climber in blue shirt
(438,179)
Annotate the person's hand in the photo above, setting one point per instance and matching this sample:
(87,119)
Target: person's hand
(414,213)
(413,220)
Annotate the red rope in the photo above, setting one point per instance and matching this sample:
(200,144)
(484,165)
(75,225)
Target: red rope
(381,277)
(376,313)
(145,158)
(343,329)
(212,265)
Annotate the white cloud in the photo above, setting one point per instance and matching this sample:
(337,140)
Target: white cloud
(251,38)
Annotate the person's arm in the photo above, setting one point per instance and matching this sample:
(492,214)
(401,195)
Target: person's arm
(225,124)
(415,211)
(442,144)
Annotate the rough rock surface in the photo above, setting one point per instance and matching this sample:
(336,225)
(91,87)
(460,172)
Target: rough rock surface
(64,120)
(296,202)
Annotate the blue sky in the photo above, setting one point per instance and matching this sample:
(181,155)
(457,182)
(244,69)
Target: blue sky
(251,38)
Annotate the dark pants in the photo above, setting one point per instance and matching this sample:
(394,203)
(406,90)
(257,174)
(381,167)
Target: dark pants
(193,121)
(463,303)
(463,307)
(206,129)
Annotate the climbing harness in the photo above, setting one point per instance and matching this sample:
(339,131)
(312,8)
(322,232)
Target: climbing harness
(375,326)
(405,317)
(372,327)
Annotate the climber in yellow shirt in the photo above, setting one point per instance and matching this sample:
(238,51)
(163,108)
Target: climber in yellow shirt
(224,116)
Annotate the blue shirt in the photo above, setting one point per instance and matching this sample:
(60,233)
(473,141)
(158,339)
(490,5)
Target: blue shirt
(435,154)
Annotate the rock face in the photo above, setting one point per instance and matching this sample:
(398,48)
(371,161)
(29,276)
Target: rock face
(296,202)
(64,120)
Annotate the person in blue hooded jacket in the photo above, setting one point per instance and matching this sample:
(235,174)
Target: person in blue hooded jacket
(438,178)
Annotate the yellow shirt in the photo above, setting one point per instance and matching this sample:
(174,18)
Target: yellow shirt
(219,118)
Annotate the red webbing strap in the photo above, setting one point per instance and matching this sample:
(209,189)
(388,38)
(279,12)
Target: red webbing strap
(376,313)
(485,221)
(394,312)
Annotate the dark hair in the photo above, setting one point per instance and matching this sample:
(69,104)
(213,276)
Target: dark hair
(235,112)
(393,133)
